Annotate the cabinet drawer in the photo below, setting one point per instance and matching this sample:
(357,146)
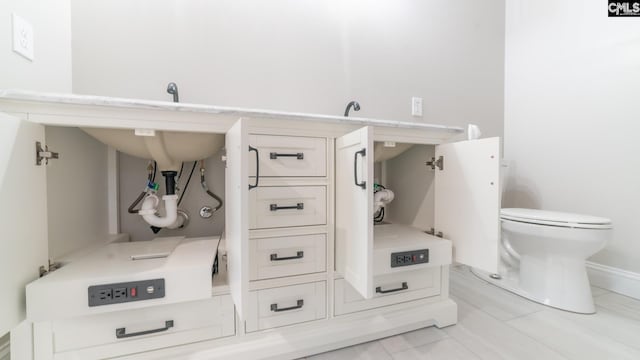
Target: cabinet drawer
(284,206)
(292,156)
(184,323)
(286,305)
(419,284)
(287,256)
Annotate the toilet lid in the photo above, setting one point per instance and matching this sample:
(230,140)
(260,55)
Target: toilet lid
(555,218)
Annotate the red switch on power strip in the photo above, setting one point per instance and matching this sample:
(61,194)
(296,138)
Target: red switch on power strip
(133,292)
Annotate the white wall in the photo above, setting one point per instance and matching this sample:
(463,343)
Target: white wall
(263,54)
(299,55)
(51,68)
(448,52)
(572,116)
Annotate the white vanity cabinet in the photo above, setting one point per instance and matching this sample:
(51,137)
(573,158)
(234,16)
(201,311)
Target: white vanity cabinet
(279,225)
(26,246)
(467,201)
(466,212)
(304,273)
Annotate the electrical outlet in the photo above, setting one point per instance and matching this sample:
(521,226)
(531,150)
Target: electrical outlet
(416,106)
(22,37)
(407,258)
(105,294)
(119,293)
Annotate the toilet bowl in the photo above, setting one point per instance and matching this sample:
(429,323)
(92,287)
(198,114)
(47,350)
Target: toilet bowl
(543,256)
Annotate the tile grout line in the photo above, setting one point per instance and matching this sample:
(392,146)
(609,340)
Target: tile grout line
(385,349)
(553,349)
(606,291)
(506,322)
(590,332)
(444,333)
(469,349)
(437,341)
(494,287)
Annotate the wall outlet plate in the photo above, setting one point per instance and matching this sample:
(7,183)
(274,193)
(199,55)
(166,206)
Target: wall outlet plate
(416,106)
(22,37)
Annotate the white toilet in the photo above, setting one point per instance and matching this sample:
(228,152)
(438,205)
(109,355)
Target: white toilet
(543,256)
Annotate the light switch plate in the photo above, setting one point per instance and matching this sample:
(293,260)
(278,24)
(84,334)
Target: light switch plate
(22,37)
(416,106)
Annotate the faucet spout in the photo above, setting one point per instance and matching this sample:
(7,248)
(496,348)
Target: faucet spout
(172,89)
(354,105)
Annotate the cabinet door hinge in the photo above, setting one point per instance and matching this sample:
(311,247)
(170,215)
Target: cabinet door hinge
(433,232)
(51,267)
(223,156)
(433,163)
(43,154)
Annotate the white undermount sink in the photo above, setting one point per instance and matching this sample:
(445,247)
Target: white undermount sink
(169,148)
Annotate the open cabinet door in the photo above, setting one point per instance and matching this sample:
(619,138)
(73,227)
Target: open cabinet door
(23,215)
(237,214)
(467,200)
(354,209)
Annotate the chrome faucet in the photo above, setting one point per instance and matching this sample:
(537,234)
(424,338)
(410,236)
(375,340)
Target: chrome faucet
(172,89)
(354,105)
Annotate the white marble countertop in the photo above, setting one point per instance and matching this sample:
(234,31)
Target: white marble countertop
(90,100)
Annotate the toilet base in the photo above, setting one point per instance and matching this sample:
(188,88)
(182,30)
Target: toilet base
(556,282)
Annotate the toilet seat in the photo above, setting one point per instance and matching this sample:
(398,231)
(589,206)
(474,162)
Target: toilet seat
(554,218)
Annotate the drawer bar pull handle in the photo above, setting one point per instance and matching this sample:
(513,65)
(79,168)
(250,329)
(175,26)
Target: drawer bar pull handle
(403,287)
(300,304)
(274,155)
(300,255)
(363,153)
(121,333)
(275,207)
(251,148)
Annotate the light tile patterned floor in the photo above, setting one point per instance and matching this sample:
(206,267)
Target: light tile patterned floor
(494,324)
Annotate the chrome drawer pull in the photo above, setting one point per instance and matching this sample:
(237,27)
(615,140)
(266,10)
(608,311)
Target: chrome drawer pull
(300,304)
(300,255)
(121,333)
(274,156)
(275,207)
(404,287)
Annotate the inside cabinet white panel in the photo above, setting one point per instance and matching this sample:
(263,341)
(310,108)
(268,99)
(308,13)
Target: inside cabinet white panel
(23,215)
(76,194)
(467,200)
(237,214)
(354,209)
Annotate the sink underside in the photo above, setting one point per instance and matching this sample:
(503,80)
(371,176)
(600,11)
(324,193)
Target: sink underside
(168,148)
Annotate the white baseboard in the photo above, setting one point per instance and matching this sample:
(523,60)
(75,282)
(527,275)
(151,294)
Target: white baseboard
(613,279)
